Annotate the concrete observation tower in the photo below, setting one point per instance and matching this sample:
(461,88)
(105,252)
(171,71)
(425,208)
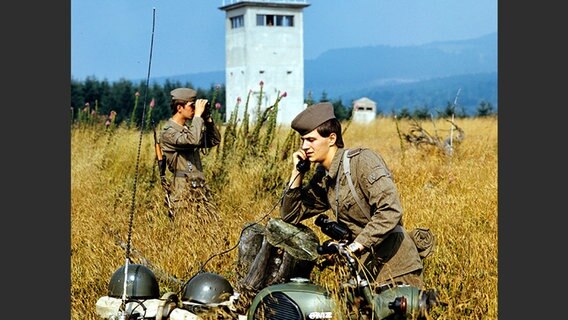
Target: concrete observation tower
(264,42)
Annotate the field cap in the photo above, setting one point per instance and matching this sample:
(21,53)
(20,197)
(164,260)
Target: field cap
(310,118)
(184,94)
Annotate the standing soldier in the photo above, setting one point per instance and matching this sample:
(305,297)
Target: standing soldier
(181,144)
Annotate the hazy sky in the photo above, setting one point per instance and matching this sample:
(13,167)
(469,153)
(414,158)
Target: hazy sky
(110,39)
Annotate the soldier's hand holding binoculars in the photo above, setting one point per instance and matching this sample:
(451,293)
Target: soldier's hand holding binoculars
(200,105)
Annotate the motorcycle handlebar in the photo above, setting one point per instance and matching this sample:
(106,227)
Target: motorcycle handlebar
(403,300)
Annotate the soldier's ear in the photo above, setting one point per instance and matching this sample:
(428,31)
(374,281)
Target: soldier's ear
(332,139)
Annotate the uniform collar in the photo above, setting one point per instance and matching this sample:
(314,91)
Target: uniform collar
(175,124)
(335,163)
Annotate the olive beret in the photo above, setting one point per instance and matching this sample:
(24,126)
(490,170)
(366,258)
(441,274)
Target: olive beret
(311,118)
(185,94)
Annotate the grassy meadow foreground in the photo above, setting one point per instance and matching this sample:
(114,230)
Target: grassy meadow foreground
(455,196)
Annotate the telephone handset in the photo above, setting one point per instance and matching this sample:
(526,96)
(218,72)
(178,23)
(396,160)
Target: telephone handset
(303,165)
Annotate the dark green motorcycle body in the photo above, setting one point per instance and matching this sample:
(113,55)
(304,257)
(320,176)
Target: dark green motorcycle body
(296,300)
(300,299)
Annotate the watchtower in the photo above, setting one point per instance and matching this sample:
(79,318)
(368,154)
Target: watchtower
(264,42)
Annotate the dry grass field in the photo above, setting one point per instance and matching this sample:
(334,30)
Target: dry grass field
(116,196)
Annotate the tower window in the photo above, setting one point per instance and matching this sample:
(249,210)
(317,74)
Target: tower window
(274,20)
(237,22)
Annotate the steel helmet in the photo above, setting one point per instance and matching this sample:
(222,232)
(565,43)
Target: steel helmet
(207,288)
(140,284)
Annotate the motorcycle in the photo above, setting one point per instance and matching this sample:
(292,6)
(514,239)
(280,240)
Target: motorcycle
(208,295)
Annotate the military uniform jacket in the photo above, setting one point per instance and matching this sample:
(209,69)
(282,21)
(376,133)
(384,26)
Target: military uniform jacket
(181,144)
(375,187)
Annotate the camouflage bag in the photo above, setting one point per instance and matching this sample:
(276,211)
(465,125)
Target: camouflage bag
(424,240)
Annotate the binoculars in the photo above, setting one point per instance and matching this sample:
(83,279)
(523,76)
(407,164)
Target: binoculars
(336,230)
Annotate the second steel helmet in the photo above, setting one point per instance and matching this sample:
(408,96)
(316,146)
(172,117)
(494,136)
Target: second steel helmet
(207,288)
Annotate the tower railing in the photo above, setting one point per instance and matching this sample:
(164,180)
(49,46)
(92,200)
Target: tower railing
(229,2)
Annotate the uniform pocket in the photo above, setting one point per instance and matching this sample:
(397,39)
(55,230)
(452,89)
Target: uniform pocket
(347,202)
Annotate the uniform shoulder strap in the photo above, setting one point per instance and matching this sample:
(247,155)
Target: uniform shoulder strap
(347,170)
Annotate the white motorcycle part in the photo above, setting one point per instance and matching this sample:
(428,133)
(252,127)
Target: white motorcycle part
(182,314)
(159,309)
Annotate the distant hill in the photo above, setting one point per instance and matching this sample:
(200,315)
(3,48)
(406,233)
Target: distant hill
(435,94)
(396,77)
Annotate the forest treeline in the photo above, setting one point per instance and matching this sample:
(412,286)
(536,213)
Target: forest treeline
(124,101)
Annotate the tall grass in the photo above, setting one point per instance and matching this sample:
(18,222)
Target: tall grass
(456,197)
